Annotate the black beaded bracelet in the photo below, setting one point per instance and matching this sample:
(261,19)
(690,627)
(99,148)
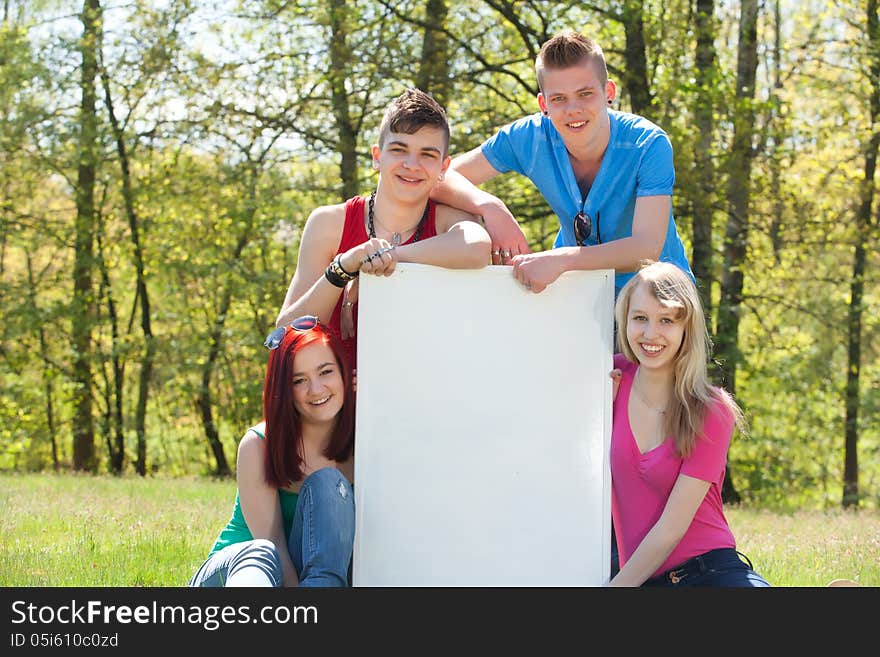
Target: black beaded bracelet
(336,274)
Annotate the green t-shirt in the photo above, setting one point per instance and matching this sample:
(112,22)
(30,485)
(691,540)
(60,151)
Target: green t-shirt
(237,531)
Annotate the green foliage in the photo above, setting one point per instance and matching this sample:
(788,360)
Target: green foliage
(233,136)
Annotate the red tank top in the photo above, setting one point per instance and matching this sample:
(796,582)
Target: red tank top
(353,233)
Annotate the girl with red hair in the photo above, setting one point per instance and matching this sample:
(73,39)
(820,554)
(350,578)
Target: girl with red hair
(293,519)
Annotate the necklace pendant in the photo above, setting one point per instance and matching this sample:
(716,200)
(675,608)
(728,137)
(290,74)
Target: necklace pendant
(395,237)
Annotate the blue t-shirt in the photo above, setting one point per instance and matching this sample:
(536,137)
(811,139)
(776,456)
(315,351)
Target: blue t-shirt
(637,162)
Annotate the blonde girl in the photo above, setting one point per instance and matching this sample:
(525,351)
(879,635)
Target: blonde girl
(670,436)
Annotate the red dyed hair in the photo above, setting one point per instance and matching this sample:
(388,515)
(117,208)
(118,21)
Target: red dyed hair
(283,423)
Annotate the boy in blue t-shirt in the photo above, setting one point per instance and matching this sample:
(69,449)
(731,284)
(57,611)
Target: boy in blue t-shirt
(607,175)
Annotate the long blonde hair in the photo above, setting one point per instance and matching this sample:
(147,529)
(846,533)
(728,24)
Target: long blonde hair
(692,392)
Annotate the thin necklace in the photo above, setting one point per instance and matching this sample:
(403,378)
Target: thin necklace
(395,238)
(642,397)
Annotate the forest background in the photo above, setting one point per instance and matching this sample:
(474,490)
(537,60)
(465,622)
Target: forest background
(158,160)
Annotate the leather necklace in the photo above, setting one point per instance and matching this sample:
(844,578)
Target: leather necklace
(395,238)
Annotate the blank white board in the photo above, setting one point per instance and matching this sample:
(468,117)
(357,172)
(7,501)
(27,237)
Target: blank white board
(483,426)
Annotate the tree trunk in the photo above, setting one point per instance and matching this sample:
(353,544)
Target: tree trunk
(205,402)
(115,389)
(738,199)
(778,136)
(82,314)
(854,335)
(635,76)
(215,339)
(141,293)
(704,168)
(339,67)
(47,366)
(857,286)
(433,75)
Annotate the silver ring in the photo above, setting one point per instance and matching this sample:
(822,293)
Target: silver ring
(496,253)
(506,253)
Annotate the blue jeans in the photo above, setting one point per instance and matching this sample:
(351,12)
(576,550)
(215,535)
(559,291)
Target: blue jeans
(322,537)
(249,563)
(722,567)
(615,556)
(320,542)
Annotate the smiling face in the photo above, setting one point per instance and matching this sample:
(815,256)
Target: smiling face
(576,101)
(411,165)
(654,330)
(318,386)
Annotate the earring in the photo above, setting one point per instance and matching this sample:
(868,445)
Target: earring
(440,178)
(545,113)
(610,101)
(375,165)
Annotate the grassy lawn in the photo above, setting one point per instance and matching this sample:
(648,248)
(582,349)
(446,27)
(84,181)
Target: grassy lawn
(73,530)
(69,530)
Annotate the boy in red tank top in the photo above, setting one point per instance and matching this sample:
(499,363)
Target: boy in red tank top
(396,223)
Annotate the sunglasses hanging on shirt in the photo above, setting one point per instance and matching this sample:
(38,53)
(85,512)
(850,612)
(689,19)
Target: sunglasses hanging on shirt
(583,225)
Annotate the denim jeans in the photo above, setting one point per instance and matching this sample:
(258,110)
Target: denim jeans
(249,563)
(615,557)
(322,537)
(320,542)
(722,567)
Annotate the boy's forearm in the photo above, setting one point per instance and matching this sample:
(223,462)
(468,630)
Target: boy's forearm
(465,246)
(319,300)
(458,192)
(621,255)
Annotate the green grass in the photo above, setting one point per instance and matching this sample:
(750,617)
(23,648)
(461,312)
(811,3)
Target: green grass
(73,530)
(69,530)
(810,548)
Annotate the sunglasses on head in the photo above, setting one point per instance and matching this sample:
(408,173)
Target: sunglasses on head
(304,323)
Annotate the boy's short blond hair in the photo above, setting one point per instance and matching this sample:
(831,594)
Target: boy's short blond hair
(567,49)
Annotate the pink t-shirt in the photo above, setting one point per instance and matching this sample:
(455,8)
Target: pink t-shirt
(641,483)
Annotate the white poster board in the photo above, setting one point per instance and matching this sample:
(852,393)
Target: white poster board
(483,426)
